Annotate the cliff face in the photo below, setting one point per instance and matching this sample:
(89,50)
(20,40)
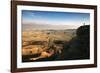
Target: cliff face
(79,46)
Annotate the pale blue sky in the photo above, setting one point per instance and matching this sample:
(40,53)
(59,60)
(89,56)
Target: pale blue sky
(66,18)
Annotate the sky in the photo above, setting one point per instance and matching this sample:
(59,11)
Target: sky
(54,18)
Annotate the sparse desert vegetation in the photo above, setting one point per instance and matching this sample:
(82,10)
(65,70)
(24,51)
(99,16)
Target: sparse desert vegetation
(38,41)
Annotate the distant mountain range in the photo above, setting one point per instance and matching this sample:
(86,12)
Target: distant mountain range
(35,26)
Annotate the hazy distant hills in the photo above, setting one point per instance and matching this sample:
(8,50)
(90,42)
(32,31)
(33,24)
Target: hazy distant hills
(36,26)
